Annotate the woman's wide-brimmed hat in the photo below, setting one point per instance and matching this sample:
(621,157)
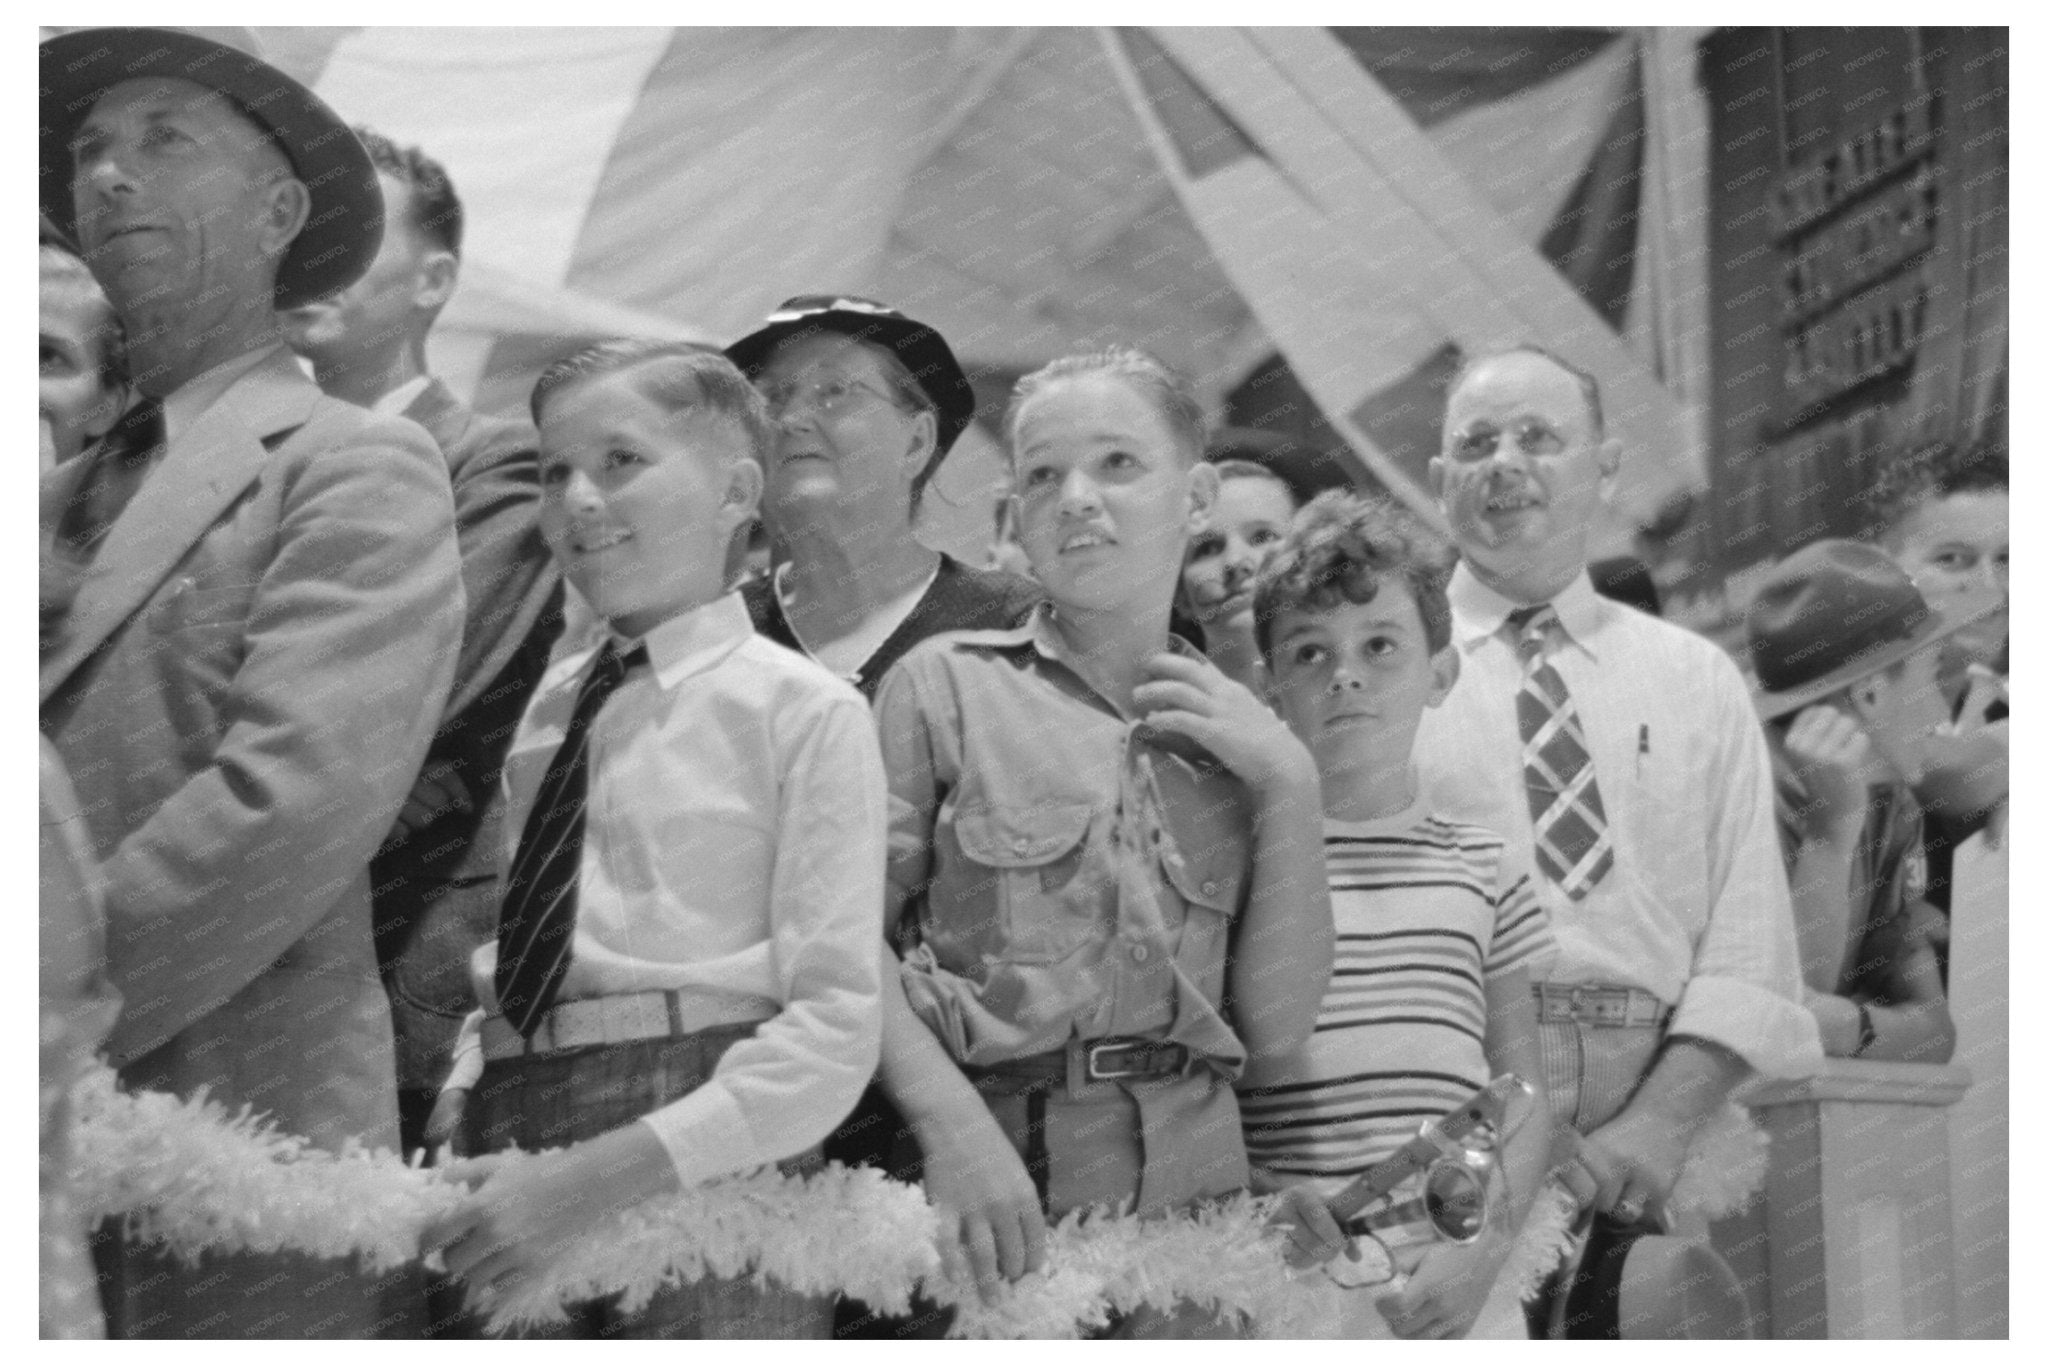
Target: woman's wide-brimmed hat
(1832,613)
(346,223)
(922,350)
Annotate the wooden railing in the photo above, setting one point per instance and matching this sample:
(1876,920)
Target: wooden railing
(1853,1236)
(1884,1215)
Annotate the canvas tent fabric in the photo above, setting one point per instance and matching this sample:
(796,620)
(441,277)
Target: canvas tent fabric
(1406,192)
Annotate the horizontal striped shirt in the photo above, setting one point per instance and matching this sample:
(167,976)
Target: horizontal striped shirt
(1427,911)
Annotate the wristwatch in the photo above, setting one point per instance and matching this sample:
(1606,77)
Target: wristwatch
(1866,1030)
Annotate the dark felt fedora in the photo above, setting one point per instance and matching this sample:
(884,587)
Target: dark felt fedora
(1636,1283)
(346,224)
(921,349)
(1831,613)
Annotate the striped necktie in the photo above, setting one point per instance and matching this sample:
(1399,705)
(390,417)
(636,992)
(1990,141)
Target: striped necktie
(538,919)
(1574,848)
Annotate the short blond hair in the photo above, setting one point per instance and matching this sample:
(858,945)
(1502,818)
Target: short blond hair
(1166,389)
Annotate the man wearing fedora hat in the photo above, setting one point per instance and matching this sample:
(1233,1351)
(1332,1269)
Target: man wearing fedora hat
(263,637)
(1623,756)
(1844,652)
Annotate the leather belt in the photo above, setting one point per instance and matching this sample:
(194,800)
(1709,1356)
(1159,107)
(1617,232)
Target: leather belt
(627,1018)
(1085,1062)
(1599,1007)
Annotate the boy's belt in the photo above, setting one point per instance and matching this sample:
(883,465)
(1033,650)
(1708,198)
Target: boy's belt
(627,1018)
(1600,1007)
(1084,1062)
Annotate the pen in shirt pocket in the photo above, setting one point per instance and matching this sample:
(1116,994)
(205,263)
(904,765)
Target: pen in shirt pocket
(1642,746)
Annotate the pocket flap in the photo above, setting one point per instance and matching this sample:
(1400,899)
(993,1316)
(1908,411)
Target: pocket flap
(1213,880)
(1020,836)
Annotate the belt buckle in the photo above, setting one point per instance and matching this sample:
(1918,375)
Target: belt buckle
(1093,1069)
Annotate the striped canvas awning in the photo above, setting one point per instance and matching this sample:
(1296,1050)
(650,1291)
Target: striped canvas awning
(1362,200)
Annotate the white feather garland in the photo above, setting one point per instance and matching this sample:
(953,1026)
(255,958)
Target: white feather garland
(1725,1167)
(1545,1238)
(847,1230)
(1099,1264)
(193,1176)
(198,1178)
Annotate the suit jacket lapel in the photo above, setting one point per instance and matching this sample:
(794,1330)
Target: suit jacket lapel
(202,473)
(58,487)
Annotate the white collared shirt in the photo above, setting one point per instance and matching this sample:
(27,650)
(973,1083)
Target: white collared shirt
(734,844)
(192,398)
(1696,908)
(398,400)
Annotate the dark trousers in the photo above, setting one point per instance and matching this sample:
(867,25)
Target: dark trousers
(875,1135)
(560,1098)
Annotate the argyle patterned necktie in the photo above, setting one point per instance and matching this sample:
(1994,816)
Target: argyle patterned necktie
(538,918)
(1574,848)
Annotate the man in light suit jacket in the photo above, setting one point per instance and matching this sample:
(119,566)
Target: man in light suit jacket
(262,640)
(435,883)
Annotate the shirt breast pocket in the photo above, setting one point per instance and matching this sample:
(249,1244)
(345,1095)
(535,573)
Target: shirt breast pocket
(1661,815)
(1211,883)
(1050,893)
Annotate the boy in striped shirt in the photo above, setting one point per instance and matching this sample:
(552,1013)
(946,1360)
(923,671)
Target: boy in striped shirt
(1438,929)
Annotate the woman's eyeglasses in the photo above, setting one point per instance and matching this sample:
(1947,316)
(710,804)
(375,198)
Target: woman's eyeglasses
(825,395)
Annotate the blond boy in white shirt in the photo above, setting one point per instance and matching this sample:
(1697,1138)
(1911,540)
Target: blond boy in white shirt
(717,1006)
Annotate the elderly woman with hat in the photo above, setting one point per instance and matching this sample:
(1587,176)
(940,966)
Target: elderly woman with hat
(867,402)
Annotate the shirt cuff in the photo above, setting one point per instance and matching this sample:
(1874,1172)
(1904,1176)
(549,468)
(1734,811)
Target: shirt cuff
(1775,1036)
(466,1065)
(706,1134)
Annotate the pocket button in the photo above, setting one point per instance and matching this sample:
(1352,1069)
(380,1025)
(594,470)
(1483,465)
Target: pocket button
(1139,953)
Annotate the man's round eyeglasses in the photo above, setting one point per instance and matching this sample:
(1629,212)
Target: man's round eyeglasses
(1531,437)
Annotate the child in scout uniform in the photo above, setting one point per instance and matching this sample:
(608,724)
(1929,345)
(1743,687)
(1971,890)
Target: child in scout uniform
(1438,926)
(1104,876)
(1845,650)
(684,983)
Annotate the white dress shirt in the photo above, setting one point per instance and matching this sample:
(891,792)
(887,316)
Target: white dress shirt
(398,400)
(1696,909)
(734,844)
(189,400)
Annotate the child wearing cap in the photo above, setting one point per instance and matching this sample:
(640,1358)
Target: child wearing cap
(1438,925)
(685,981)
(1104,873)
(1844,652)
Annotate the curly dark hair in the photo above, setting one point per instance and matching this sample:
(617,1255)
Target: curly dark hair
(1339,550)
(1937,469)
